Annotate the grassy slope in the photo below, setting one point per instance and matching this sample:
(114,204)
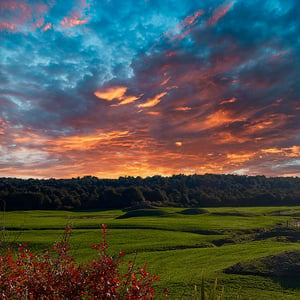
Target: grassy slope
(160,241)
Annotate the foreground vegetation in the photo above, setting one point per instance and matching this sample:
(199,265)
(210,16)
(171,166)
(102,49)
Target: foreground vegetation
(179,245)
(55,275)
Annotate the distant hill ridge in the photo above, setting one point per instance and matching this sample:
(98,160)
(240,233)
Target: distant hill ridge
(209,190)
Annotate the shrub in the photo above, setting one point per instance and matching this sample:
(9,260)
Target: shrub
(55,275)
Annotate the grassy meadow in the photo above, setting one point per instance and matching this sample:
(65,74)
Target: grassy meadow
(179,246)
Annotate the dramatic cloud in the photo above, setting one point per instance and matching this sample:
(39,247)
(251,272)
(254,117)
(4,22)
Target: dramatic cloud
(114,88)
(152,101)
(111,93)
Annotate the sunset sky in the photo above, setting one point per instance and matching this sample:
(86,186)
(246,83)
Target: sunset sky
(145,87)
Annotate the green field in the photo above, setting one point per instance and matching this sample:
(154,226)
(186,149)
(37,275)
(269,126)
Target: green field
(177,247)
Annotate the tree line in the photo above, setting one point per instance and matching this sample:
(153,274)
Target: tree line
(89,192)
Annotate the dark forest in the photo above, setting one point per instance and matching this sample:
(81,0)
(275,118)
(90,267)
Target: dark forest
(207,190)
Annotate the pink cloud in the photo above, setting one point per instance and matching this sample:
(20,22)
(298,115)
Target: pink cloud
(220,12)
(39,23)
(2,126)
(232,100)
(74,20)
(181,30)
(47,27)
(83,4)
(165,81)
(7,26)
(185,26)
(12,5)
(19,14)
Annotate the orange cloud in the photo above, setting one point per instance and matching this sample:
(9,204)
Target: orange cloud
(111,93)
(219,118)
(183,108)
(116,92)
(127,100)
(240,158)
(28,139)
(22,139)
(119,153)
(293,151)
(153,113)
(69,143)
(152,101)
(270,121)
(63,144)
(227,137)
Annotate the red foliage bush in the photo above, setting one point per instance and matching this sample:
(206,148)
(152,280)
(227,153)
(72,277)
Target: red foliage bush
(55,275)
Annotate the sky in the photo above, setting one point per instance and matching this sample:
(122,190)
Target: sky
(149,87)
